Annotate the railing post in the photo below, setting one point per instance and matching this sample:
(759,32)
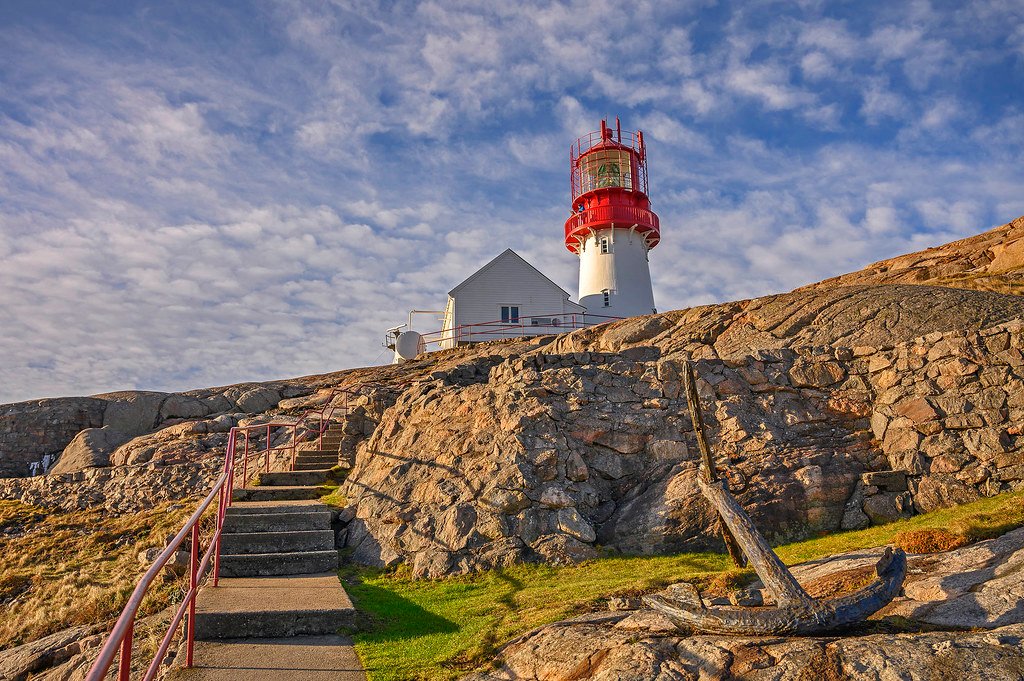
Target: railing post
(124,667)
(295,434)
(245,462)
(268,447)
(193,581)
(225,495)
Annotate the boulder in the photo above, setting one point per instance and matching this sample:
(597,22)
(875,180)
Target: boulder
(90,449)
(816,374)
(258,400)
(570,522)
(133,412)
(178,406)
(561,549)
(942,491)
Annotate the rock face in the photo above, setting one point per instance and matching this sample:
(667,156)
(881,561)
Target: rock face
(31,430)
(991,261)
(627,652)
(486,464)
(123,489)
(974,587)
(64,655)
(847,316)
(37,432)
(91,448)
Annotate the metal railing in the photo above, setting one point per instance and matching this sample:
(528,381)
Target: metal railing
(645,222)
(519,327)
(627,142)
(121,637)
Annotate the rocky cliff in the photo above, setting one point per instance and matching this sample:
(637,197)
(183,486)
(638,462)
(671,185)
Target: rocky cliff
(545,455)
(835,406)
(991,261)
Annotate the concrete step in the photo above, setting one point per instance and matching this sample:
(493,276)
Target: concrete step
(271,564)
(285,506)
(327,460)
(317,452)
(294,478)
(310,465)
(292,605)
(298,658)
(276,521)
(282,493)
(291,541)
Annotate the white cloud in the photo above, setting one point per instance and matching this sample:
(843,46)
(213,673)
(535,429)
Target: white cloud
(768,83)
(265,204)
(879,101)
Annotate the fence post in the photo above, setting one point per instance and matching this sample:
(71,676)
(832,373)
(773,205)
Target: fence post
(245,461)
(268,447)
(192,587)
(295,435)
(124,667)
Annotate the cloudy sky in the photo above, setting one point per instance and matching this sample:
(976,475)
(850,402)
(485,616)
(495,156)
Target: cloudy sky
(199,193)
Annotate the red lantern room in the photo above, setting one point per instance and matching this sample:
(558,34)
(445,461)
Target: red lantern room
(609,187)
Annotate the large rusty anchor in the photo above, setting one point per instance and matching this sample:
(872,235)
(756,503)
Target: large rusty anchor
(794,612)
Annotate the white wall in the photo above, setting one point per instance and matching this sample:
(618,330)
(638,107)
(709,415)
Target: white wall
(623,271)
(508,281)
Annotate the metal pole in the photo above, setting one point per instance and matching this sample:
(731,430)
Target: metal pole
(224,492)
(268,448)
(190,626)
(124,667)
(295,434)
(245,461)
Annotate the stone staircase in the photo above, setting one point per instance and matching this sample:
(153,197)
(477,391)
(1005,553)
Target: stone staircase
(278,609)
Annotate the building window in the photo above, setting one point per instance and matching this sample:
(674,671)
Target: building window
(607,297)
(510,314)
(605,245)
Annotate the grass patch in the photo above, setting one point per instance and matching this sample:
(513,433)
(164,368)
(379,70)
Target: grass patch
(64,569)
(332,496)
(441,629)
(982,519)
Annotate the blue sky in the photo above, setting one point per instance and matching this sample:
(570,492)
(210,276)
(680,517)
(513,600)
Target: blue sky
(201,193)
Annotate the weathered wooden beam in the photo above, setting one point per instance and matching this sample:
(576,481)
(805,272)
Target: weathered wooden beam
(774,574)
(707,470)
(815,617)
(795,612)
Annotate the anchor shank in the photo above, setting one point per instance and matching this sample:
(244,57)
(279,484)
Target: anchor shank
(707,468)
(777,578)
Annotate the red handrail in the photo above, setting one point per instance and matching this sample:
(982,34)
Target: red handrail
(121,637)
(497,329)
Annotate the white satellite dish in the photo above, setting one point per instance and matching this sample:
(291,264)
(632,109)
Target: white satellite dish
(408,345)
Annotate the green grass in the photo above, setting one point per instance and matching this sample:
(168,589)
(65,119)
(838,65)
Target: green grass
(421,629)
(331,491)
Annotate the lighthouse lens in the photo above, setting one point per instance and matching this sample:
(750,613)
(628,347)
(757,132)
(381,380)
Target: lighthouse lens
(603,169)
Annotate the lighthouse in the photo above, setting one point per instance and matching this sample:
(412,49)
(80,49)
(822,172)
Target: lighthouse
(612,228)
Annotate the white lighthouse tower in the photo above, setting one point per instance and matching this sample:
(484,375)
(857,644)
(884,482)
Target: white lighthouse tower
(612,227)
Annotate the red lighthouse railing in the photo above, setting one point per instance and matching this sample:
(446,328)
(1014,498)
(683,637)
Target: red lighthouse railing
(632,171)
(608,171)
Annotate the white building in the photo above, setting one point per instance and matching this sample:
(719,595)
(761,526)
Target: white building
(506,298)
(611,228)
